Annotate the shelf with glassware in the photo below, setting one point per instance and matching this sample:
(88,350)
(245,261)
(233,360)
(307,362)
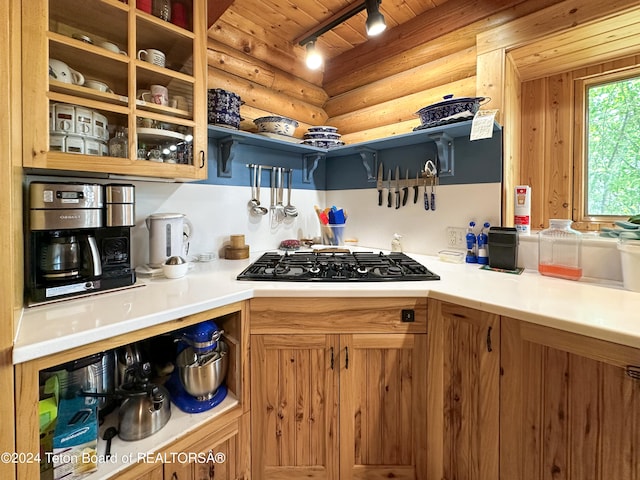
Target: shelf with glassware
(102,65)
(133,452)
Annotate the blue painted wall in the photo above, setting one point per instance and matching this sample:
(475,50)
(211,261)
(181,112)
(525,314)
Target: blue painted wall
(478,161)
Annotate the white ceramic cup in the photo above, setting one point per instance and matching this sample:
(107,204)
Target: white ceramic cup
(153,56)
(159,94)
(58,70)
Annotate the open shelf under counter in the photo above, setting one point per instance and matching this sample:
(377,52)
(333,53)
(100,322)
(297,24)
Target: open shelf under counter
(124,453)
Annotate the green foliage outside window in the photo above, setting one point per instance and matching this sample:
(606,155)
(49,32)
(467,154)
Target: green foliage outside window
(613,148)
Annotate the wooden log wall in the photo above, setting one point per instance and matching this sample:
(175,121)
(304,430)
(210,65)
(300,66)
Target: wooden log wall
(373,90)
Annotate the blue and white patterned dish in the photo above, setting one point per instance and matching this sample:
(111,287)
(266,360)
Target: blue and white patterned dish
(322,128)
(449,108)
(321,136)
(276,124)
(223,107)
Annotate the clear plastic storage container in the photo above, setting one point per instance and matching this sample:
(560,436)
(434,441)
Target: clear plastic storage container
(560,250)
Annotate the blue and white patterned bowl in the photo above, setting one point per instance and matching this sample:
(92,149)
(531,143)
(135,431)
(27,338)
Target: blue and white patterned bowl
(449,108)
(223,107)
(276,124)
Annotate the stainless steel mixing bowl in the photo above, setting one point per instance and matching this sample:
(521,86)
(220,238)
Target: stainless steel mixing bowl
(202,374)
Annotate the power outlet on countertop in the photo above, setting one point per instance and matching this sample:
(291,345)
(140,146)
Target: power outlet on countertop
(456,237)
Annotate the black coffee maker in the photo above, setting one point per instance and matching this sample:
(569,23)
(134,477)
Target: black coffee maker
(76,243)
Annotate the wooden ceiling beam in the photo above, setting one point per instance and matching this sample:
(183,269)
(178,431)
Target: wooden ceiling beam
(215,9)
(435,22)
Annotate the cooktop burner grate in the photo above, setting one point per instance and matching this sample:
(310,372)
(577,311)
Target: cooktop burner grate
(336,267)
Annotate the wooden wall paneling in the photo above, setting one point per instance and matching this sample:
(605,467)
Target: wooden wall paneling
(446,70)
(587,44)
(558,177)
(380,132)
(262,44)
(429,52)
(557,17)
(445,18)
(244,66)
(400,109)
(532,155)
(512,121)
(265,98)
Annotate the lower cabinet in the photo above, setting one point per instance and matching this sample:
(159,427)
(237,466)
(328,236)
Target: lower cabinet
(570,406)
(463,393)
(342,405)
(215,457)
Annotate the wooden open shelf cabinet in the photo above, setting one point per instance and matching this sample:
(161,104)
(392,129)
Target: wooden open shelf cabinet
(53,29)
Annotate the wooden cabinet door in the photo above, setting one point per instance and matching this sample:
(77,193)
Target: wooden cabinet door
(463,383)
(216,457)
(570,409)
(383,393)
(294,407)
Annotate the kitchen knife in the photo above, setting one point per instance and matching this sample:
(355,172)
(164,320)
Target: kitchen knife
(380,182)
(405,190)
(397,187)
(416,187)
(389,194)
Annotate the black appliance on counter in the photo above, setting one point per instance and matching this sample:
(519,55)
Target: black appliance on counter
(336,267)
(76,242)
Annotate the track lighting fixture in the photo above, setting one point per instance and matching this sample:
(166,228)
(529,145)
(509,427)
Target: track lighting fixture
(375,20)
(313,59)
(375,25)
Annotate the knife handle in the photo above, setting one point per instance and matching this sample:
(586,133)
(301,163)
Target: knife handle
(405,195)
(397,198)
(415,194)
(389,198)
(380,197)
(426,201)
(433,201)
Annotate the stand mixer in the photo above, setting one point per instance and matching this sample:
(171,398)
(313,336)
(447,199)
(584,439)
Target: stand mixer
(196,384)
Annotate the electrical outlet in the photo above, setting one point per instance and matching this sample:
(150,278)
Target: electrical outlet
(456,237)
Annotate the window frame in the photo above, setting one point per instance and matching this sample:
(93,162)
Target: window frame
(580,217)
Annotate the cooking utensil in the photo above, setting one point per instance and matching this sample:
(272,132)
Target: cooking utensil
(258,209)
(380,183)
(143,412)
(389,194)
(280,196)
(405,190)
(108,435)
(253,202)
(416,188)
(397,190)
(289,209)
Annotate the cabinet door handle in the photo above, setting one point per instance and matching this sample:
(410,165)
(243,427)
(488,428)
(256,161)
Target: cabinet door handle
(633,371)
(174,476)
(201,158)
(332,358)
(489,349)
(346,358)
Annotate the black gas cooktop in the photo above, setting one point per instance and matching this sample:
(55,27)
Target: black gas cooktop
(336,267)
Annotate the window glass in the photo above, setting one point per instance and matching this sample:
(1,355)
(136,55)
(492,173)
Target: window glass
(613,148)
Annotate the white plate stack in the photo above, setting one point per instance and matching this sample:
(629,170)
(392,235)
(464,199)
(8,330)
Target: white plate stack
(323,137)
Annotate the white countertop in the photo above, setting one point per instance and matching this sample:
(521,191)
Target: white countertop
(606,312)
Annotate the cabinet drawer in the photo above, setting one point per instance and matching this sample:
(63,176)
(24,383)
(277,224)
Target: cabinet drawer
(344,315)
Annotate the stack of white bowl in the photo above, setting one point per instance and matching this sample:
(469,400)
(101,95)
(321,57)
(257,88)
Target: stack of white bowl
(323,137)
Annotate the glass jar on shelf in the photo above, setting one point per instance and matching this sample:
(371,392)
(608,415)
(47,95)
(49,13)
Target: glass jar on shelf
(560,250)
(119,144)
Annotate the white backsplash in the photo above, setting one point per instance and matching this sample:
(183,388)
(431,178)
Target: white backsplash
(219,211)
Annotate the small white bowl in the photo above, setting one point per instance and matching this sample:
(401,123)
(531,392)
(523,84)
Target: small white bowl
(175,270)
